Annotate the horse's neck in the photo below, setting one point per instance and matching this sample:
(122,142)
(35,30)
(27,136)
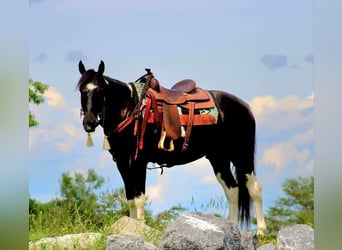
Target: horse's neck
(119,104)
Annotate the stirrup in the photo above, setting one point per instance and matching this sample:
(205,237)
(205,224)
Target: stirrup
(162,142)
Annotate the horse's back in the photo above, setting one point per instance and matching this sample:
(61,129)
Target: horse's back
(231,108)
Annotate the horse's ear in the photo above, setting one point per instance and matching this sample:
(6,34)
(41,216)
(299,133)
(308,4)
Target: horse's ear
(101,68)
(81,67)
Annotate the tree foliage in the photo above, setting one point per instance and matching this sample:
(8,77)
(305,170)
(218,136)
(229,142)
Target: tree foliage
(296,208)
(36,91)
(78,194)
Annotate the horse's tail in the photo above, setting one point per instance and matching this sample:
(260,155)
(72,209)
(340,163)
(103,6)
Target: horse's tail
(245,166)
(244,201)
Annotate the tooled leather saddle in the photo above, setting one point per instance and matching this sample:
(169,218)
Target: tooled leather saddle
(175,111)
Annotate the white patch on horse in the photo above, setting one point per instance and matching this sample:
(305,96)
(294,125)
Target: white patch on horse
(201,224)
(91,86)
(131,89)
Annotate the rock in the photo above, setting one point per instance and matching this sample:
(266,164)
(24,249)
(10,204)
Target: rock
(128,241)
(268,246)
(296,237)
(199,231)
(127,225)
(68,241)
(129,233)
(232,237)
(249,240)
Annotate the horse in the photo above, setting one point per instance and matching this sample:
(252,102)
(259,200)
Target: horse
(117,107)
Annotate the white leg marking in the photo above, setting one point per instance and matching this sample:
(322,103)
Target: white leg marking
(255,191)
(132,209)
(232,195)
(140,204)
(136,207)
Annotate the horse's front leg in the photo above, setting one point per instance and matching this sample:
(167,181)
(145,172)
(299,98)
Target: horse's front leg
(134,177)
(136,207)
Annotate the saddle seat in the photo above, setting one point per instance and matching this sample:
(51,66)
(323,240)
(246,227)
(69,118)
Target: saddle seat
(177,93)
(180,93)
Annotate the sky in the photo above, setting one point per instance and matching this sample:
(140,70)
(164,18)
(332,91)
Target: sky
(260,51)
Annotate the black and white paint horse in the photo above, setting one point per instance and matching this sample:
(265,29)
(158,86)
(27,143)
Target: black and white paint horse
(109,103)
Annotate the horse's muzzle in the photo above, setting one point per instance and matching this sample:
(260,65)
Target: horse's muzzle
(90,124)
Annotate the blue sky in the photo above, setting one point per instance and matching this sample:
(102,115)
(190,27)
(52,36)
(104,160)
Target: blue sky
(260,51)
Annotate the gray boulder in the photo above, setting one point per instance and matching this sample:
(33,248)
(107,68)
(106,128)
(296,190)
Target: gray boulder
(249,240)
(128,242)
(299,236)
(130,234)
(268,246)
(200,231)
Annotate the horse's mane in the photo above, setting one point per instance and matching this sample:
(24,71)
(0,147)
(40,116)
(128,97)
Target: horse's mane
(115,81)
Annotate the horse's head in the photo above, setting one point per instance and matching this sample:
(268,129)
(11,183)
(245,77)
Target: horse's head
(92,87)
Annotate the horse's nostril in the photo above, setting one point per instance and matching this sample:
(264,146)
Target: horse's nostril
(89,125)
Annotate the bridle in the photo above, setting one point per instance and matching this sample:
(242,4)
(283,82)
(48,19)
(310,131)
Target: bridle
(99,119)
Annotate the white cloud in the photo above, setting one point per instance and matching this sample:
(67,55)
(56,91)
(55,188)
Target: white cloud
(54,98)
(279,155)
(209,179)
(65,147)
(282,113)
(69,129)
(34,135)
(282,154)
(105,159)
(199,173)
(156,192)
(62,136)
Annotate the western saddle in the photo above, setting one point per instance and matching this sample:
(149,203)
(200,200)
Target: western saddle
(174,111)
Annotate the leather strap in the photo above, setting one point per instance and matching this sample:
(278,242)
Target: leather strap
(189,127)
(144,122)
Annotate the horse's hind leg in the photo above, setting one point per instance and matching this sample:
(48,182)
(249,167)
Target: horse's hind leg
(255,191)
(232,195)
(229,185)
